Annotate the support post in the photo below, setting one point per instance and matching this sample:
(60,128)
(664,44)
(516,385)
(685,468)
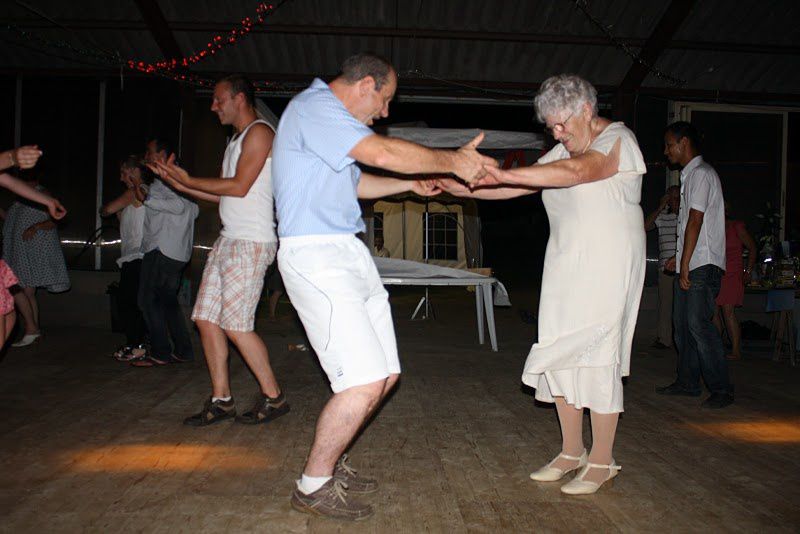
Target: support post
(101,140)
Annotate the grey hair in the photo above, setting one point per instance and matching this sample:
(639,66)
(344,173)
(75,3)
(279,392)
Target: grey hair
(564,92)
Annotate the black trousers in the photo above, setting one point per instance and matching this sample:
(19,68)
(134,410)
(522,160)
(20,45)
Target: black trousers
(158,299)
(128,300)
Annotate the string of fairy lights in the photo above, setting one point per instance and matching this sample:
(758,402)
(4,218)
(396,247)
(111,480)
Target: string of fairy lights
(179,69)
(176,69)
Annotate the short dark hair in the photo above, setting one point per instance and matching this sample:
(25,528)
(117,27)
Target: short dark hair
(685,129)
(240,84)
(161,144)
(365,64)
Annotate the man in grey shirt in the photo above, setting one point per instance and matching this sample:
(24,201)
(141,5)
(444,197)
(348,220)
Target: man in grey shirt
(167,247)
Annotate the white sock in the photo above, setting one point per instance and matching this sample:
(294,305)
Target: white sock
(309,485)
(223,399)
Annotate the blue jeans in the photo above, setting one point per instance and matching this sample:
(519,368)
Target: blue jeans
(158,300)
(699,344)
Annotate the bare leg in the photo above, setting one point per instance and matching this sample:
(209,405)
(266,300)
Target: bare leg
(604,430)
(340,420)
(734,332)
(26,304)
(31,293)
(215,348)
(274,297)
(7,326)
(717,320)
(255,354)
(571,420)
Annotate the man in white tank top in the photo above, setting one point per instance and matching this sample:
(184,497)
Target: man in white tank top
(234,273)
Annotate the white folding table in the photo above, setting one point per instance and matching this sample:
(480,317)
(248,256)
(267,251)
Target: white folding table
(484,301)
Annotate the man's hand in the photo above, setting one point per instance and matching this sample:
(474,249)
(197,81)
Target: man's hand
(170,172)
(56,209)
(469,164)
(670,265)
(27,156)
(684,280)
(426,188)
(29,232)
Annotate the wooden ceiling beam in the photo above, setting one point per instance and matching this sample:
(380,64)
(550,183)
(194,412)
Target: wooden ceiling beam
(579,40)
(667,26)
(159,28)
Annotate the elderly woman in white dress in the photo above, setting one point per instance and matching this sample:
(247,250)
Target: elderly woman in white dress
(593,272)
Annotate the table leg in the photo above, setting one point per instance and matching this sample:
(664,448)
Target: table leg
(488,303)
(479,312)
(790,327)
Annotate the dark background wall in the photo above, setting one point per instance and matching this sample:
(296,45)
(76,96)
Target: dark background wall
(60,114)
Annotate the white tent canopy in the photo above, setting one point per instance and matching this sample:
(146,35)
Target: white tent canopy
(451,138)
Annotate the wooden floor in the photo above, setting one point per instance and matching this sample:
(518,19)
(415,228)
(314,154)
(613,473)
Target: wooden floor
(89,444)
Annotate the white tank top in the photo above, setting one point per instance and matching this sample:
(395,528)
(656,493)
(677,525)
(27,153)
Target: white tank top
(250,218)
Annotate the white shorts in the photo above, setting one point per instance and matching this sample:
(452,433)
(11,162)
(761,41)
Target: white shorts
(334,285)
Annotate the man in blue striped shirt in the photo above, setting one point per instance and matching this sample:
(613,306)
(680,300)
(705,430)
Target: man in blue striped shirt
(328,272)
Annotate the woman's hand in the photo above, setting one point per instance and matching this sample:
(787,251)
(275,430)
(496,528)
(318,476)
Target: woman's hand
(57,211)
(27,156)
(29,232)
(496,176)
(454,187)
(426,188)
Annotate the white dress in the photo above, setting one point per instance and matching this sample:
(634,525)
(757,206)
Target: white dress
(592,282)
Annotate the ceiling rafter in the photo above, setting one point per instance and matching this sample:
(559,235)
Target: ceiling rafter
(288,29)
(159,28)
(673,17)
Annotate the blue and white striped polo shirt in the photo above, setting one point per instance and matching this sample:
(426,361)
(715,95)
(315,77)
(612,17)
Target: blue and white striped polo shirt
(315,182)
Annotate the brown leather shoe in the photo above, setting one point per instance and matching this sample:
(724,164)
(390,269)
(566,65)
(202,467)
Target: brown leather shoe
(331,500)
(264,410)
(212,412)
(355,483)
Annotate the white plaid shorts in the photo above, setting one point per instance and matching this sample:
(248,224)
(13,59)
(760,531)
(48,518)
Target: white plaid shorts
(232,281)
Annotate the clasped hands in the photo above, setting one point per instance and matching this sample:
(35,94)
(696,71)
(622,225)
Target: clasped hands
(474,170)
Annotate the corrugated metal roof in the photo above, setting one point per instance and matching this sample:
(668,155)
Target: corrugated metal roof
(494,43)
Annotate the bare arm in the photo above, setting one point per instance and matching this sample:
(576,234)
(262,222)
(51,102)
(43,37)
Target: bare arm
(458,189)
(693,226)
(33,229)
(23,157)
(118,204)
(650,220)
(750,244)
(200,195)
(371,186)
(256,147)
(409,158)
(591,166)
(22,189)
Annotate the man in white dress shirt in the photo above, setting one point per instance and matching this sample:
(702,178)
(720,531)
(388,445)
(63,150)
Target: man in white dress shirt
(700,264)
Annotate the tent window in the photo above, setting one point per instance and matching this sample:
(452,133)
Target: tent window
(442,237)
(377,230)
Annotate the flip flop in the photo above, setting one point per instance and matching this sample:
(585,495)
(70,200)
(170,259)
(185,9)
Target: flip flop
(149,361)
